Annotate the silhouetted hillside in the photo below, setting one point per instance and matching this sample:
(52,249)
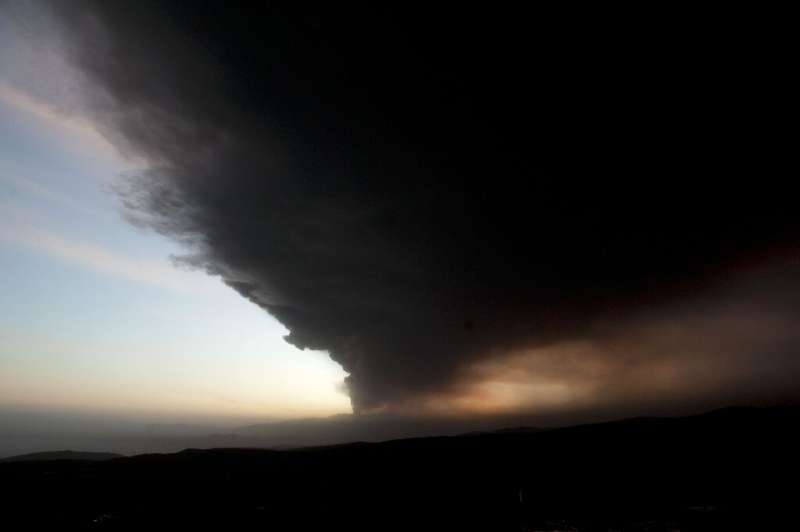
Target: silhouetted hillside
(368,427)
(727,470)
(61,455)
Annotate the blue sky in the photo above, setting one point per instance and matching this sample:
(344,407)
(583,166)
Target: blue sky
(94,317)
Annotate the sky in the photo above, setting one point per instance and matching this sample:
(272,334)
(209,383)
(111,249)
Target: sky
(95,316)
(271,212)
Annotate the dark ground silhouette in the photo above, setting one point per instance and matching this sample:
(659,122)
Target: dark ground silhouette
(732,469)
(61,455)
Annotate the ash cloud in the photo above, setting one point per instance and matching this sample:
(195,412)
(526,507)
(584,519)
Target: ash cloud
(423,193)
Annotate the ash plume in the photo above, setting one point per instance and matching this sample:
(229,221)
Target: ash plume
(428,193)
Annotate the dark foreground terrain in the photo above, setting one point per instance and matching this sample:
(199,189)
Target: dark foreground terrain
(733,469)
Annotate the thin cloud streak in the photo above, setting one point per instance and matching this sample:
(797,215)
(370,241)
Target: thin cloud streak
(78,132)
(98,259)
(34,189)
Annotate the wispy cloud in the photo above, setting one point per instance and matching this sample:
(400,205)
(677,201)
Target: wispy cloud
(35,189)
(100,259)
(79,133)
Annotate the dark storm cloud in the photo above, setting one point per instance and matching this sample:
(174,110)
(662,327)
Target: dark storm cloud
(420,193)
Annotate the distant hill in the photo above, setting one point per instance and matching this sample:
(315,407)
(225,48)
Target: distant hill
(345,428)
(61,455)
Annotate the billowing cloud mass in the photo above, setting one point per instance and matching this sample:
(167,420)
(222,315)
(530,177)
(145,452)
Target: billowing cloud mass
(471,211)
